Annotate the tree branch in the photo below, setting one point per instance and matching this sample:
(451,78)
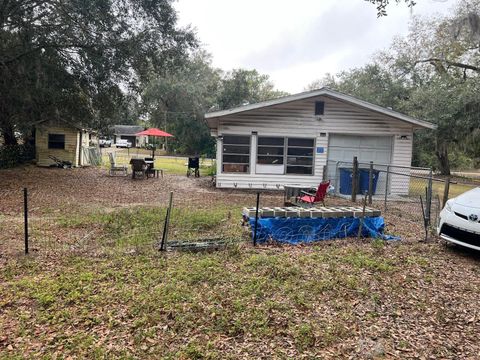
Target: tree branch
(449,63)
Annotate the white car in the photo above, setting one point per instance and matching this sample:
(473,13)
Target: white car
(460,220)
(123,143)
(104,142)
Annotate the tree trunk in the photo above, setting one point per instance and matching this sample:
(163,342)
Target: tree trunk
(442,156)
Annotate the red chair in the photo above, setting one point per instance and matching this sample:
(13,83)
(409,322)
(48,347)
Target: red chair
(319,196)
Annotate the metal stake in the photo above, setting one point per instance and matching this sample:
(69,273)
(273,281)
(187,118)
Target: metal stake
(163,245)
(25,214)
(256,220)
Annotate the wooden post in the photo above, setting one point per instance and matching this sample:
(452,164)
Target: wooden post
(370,183)
(446,190)
(25,214)
(362,219)
(354,179)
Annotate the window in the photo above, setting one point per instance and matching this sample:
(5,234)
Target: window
(300,156)
(270,150)
(56,141)
(319,107)
(236,154)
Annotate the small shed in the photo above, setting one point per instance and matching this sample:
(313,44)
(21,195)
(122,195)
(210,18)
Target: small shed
(128,132)
(63,140)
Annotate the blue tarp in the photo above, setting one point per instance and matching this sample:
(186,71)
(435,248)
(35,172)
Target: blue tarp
(306,230)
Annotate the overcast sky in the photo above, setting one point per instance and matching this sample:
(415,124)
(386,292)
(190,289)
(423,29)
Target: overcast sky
(297,41)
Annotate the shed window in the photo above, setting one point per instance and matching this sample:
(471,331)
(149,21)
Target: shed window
(236,154)
(300,156)
(270,150)
(56,141)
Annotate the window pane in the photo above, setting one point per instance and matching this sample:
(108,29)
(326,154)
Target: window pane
(262,150)
(300,151)
(236,159)
(300,142)
(299,161)
(271,141)
(235,168)
(307,170)
(270,160)
(231,139)
(236,149)
(56,141)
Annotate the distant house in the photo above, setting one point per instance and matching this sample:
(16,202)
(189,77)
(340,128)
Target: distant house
(127,132)
(290,140)
(63,140)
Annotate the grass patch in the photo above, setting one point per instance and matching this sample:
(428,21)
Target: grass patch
(171,165)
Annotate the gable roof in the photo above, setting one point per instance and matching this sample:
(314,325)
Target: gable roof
(322,92)
(127,129)
(66,122)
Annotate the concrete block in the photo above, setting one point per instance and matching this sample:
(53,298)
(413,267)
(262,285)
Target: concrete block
(304,213)
(315,213)
(267,212)
(249,212)
(374,212)
(327,212)
(291,212)
(279,212)
(347,212)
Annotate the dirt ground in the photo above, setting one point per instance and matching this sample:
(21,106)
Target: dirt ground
(340,299)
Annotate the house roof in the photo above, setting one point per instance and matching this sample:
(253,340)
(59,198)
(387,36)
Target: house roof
(127,129)
(69,123)
(321,92)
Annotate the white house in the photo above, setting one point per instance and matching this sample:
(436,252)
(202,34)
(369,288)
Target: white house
(289,140)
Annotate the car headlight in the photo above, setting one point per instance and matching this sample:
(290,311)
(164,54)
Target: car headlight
(448,206)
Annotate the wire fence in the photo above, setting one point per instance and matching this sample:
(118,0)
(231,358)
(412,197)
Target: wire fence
(412,194)
(85,211)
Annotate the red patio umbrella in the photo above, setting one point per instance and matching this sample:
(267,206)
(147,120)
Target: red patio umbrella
(154,132)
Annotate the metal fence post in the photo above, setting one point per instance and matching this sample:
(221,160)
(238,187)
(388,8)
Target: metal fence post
(386,187)
(354,179)
(337,181)
(25,214)
(429,196)
(446,190)
(256,220)
(163,245)
(370,183)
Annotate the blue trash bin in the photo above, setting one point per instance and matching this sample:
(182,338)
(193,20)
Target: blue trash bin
(345,181)
(364,175)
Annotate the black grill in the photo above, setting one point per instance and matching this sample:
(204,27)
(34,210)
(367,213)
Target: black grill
(460,235)
(461,215)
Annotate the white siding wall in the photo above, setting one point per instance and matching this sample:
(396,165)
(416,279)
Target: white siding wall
(297,119)
(402,156)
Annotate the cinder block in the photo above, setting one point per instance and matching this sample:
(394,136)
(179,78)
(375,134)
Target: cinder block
(327,212)
(267,212)
(315,213)
(249,212)
(374,212)
(347,212)
(304,213)
(279,212)
(291,212)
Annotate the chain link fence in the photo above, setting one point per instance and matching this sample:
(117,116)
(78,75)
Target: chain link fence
(410,194)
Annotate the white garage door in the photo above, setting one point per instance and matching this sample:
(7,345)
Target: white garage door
(366,148)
